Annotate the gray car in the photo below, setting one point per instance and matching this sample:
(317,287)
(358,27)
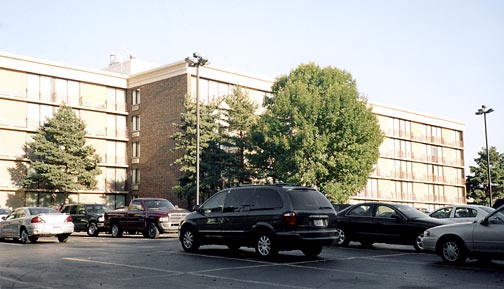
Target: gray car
(29,223)
(462,213)
(481,239)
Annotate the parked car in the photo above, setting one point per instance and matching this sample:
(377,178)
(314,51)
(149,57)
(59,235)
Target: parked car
(373,222)
(462,213)
(149,216)
(29,223)
(481,239)
(4,212)
(87,217)
(268,218)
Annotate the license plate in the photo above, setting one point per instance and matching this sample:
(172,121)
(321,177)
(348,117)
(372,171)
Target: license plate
(318,223)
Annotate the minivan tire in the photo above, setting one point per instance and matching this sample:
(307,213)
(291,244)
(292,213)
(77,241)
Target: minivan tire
(188,240)
(92,229)
(264,246)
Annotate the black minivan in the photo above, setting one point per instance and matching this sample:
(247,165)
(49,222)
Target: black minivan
(269,218)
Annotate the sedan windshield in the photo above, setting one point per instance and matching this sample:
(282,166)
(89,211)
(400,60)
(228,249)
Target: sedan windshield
(410,212)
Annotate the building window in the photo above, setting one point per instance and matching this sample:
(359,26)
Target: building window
(135,97)
(136,149)
(135,176)
(135,122)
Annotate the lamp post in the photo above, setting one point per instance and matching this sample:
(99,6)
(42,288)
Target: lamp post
(197,60)
(483,111)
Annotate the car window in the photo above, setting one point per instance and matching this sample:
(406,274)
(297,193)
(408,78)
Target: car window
(97,209)
(158,205)
(136,205)
(361,211)
(66,209)
(37,211)
(215,203)
(442,213)
(266,199)
(238,200)
(465,213)
(308,199)
(384,212)
(497,218)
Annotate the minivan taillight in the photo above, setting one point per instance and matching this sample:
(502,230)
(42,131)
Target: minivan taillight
(289,218)
(37,220)
(68,219)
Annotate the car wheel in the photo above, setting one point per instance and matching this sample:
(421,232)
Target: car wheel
(33,239)
(24,237)
(92,230)
(116,231)
(418,243)
(265,247)
(63,238)
(452,251)
(152,231)
(188,240)
(312,251)
(343,238)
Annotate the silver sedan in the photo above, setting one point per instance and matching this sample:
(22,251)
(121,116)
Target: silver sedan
(481,239)
(29,223)
(462,213)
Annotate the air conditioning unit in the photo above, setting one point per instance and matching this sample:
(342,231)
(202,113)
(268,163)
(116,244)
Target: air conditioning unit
(135,107)
(134,187)
(135,134)
(135,160)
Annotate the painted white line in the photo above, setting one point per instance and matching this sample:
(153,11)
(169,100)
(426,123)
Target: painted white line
(18,282)
(121,265)
(251,281)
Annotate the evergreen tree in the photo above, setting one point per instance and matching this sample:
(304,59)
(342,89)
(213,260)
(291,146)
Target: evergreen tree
(477,182)
(239,118)
(318,131)
(211,155)
(59,158)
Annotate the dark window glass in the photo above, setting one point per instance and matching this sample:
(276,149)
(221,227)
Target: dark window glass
(465,213)
(266,199)
(361,211)
(136,205)
(238,200)
(384,212)
(215,203)
(66,209)
(442,213)
(308,199)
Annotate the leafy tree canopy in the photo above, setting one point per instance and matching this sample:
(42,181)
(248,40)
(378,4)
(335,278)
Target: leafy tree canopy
(59,157)
(477,182)
(318,131)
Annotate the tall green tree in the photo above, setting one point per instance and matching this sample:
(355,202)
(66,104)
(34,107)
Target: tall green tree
(59,158)
(239,117)
(212,157)
(318,131)
(477,182)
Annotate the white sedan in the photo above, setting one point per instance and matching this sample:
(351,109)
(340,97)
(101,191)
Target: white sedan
(482,239)
(462,213)
(29,223)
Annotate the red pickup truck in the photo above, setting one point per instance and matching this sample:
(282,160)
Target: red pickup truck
(149,216)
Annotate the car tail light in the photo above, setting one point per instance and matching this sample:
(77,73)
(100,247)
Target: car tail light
(37,220)
(289,218)
(68,219)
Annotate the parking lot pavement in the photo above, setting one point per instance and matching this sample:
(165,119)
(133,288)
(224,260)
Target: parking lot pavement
(137,262)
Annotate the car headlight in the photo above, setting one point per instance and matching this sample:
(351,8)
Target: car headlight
(101,219)
(164,219)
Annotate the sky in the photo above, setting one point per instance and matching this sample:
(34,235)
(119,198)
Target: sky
(438,57)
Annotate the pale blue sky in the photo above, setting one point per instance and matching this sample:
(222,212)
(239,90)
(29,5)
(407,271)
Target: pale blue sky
(438,57)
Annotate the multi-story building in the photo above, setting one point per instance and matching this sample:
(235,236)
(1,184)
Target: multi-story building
(130,107)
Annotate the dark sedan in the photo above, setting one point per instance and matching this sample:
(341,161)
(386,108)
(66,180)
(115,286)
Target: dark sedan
(370,223)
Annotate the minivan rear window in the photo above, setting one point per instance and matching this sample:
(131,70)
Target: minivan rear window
(306,199)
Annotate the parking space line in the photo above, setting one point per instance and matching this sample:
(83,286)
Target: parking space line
(251,281)
(16,282)
(120,265)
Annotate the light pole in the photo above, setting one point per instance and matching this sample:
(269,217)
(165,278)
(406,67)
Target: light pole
(196,61)
(483,111)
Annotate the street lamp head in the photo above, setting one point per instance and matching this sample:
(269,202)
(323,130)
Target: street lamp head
(483,110)
(190,61)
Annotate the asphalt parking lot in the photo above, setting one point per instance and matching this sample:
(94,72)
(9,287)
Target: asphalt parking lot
(136,262)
